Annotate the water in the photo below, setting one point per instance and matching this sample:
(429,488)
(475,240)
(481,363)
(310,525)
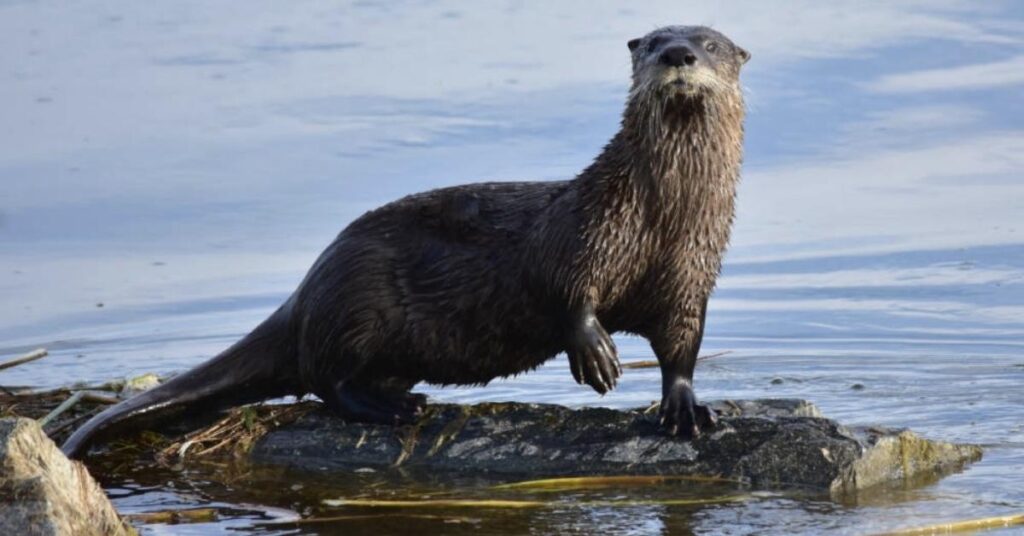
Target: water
(181,164)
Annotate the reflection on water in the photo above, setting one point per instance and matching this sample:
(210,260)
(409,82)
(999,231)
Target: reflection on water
(167,173)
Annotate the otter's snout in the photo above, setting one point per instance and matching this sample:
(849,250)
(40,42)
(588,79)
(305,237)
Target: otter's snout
(677,56)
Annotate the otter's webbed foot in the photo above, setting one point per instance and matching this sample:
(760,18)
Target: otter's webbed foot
(592,356)
(680,413)
(379,407)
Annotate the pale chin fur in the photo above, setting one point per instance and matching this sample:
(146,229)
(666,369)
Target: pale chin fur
(695,81)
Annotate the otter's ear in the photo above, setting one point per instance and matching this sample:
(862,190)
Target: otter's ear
(743,54)
(633,43)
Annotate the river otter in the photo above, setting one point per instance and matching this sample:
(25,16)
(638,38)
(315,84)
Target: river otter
(466,284)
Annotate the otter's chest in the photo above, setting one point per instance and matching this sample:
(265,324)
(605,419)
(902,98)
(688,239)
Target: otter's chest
(669,265)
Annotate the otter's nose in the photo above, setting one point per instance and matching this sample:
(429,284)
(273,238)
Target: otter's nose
(677,56)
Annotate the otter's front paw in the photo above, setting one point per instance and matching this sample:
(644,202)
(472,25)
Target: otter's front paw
(680,413)
(593,359)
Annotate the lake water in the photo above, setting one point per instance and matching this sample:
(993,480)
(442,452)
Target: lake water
(169,170)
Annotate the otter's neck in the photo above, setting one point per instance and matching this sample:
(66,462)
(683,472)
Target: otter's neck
(677,160)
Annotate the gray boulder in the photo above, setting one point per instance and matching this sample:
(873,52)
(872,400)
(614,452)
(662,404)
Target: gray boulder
(44,493)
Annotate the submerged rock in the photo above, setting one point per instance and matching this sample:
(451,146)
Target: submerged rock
(770,444)
(44,493)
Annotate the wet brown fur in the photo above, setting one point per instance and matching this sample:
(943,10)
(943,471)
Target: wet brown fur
(466,284)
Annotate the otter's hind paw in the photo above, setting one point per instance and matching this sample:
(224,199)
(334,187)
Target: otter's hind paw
(681,415)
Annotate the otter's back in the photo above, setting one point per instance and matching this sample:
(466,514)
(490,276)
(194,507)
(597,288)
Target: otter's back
(431,279)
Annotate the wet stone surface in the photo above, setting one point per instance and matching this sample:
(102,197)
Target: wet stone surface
(770,444)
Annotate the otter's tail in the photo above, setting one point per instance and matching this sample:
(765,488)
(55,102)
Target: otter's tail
(258,367)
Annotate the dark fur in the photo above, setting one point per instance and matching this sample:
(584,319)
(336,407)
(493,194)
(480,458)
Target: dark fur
(466,284)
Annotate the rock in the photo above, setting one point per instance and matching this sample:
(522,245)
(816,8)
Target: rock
(770,444)
(44,493)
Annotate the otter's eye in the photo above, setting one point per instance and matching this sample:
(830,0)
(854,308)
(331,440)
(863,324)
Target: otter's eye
(711,47)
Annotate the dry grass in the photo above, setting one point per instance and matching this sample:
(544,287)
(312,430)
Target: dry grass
(235,433)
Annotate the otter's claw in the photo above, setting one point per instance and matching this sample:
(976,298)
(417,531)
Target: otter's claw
(592,357)
(681,415)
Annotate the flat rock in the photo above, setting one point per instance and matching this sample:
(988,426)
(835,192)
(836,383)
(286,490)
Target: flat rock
(42,492)
(770,444)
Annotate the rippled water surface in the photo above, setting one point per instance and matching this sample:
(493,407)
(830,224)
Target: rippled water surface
(169,170)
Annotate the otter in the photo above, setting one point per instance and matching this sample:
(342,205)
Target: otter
(466,284)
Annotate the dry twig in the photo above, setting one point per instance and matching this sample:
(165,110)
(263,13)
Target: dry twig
(64,406)
(31,356)
(652,363)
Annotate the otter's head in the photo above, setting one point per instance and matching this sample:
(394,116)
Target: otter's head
(687,63)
